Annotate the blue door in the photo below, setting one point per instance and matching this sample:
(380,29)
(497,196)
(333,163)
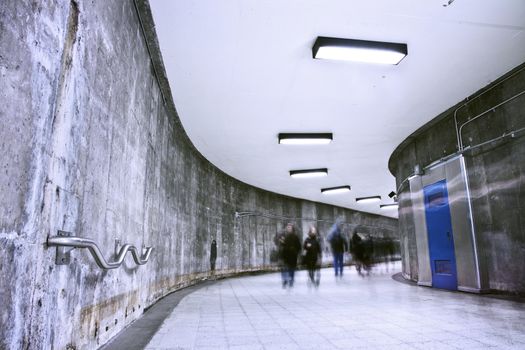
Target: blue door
(440,238)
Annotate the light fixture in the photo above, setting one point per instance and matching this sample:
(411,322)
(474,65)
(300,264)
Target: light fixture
(368,199)
(358,50)
(389,206)
(305,138)
(334,190)
(308,173)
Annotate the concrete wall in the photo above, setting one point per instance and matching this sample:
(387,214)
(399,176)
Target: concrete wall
(91,143)
(495,162)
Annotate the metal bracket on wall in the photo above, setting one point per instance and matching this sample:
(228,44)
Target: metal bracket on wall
(63,253)
(66,242)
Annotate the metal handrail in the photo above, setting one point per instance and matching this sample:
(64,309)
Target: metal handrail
(65,240)
(460,135)
(469,100)
(243,214)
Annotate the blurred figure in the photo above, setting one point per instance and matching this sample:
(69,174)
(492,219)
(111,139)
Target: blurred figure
(339,246)
(213,255)
(278,240)
(312,256)
(291,247)
(356,249)
(368,250)
(362,254)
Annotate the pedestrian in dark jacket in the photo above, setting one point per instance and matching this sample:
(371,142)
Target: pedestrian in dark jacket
(362,253)
(339,246)
(312,256)
(290,251)
(213,255)
(278,239)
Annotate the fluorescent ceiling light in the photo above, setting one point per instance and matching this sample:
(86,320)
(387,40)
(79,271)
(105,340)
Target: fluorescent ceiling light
(368,199)
(305,138)
(358,50)
(388,206)
(308,173)
(334,190)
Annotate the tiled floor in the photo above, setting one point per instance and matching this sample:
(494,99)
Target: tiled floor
(353,313)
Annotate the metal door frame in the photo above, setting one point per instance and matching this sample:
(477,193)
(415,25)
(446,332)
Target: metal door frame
(471,276)
(444,212)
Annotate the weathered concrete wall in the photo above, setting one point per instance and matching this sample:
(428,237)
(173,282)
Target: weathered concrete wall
(91,143)
(496,174)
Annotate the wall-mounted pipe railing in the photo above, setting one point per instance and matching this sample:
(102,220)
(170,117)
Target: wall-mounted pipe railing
(65,243)
(459,128)
(492,109)
(511,134)
(469,100)
(243,214)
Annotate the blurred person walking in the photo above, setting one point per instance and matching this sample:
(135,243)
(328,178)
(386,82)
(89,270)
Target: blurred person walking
(291,247)
(363,254)
(312,256)
(339,246)
(278,240)
(213,255)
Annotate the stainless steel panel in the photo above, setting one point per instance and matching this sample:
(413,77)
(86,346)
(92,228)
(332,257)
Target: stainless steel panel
(466,262)
(418,212)
(469,273)
(433,174)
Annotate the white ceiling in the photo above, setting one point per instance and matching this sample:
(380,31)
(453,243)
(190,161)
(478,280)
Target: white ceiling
(242,71)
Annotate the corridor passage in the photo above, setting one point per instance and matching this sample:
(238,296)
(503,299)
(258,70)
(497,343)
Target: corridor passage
(375,312)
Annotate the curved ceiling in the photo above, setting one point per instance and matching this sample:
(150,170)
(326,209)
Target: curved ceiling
(242,71)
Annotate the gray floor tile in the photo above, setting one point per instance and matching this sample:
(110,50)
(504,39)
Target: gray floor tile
(432,345)
(355,313)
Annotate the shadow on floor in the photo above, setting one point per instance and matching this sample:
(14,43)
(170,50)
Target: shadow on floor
(493,294)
